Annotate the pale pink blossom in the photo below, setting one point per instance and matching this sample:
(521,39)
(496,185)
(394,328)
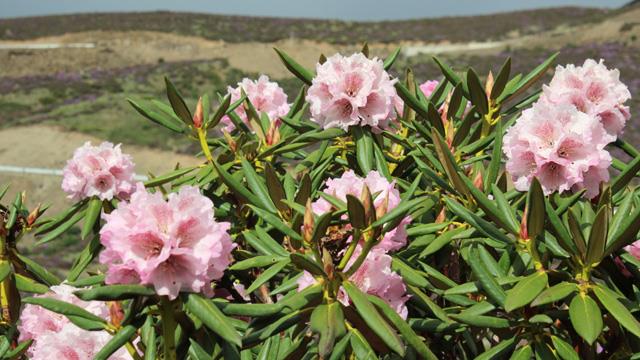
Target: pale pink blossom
(102,171)
(561,146)
(387,196)
(265,96)
(592,89)
(174,245)
(351,91)
(55,337)
(428,87)
(634,249)
(373,277)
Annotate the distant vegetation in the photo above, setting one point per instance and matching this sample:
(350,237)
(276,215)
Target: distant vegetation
(264,29)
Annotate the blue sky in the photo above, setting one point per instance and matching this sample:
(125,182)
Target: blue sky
(334,9)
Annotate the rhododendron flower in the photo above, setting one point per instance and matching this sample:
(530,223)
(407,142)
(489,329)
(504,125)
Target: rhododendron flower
(561,146)
(428,87)
(373,277)
(634,249)
(55,337)
(174,245)
(388,198)
(592,89)
(266,96)
(350,91)
(102,171)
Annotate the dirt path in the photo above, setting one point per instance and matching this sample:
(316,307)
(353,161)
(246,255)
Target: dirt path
(49,147)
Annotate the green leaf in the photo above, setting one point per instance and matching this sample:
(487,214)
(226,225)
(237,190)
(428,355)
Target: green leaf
(177,103)
(71,311)
(39,271)
(304,263)
(61,228)
(528,80)
(13,212)
(114,292)
(212,318)
(626,175)
(5,269)
(442,240)
(360,347)
(497,351)
(610,302)
(585,317)
(409,274)
(272,271)
(249,309)
(486,279)
(166,178)
(254,336)
(535,209)
(373,319)
(116,342)
(220,112)
(476,90)
(626,233)
(525,291)
(257,186)
(555,293)
(275,221)
(405,330)
(501,80)
(25,284)
(474,220)
(356,212)
(158,117)
(489,207)
(276,190)
(256,261)
(328,321)
(448,73)
(91,216)
(496,158)
(598,236)
(364,148)
(563,349)
(236,187)
(523,353)
(85,257)
(296,69)
(448,162)
(388,62)
(482,321)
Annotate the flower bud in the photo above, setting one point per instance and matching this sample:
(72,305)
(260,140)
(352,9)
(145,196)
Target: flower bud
(367,203)
(198,116)
(273,134)
(489,84)
(478,181)
(116,314)
(308,223)
(33,216)
(232,143)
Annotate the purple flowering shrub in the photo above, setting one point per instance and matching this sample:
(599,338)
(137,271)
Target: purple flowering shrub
(368,216)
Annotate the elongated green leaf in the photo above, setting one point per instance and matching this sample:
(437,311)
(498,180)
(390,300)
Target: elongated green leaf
(448,162)
(482,321)
(69,310)
(388,62)
(328,321)
(486,279)
(563,349)
(489,207)
(158,117)
(609,300)
(444,239)
(356,212)
(501,79)
(257,186)
(476,90)
(177,103)
(629,172)
(276,222)
(523,353)
(13,211)
(39,271)
(252,310)
(91,216)
(525,291)
(496,158)
(25,284)
(528,80)
(61,229)
(585,317)
(85,257)
(409,274)
(212,318)
(498,350)
(256,261)
(408,334)
(272,271)
(296,69)
(276,190)
(166,178)
(598,236)
(535,209)
(304,263)
(116,342)
(555,293)
(114,292)
(480,224)
(372,317)
(364,148)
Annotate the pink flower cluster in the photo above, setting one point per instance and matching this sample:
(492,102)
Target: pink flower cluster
(266,96)
(388,198)
(55,337)
(561,139)
(592,89)
(634,249)
(102,171)
(349,91)
(174,245)
(374,276)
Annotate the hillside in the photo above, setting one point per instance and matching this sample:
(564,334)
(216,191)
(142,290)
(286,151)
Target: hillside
(263,29)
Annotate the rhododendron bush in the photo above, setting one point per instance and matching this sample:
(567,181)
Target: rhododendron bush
(370,215)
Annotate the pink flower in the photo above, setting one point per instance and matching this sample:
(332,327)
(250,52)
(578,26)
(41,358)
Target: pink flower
(428,87)
(266,96)
(350,91)
(592,89)
(373,277)
(174,245)
(561,146)
(55,337)
(102,171)
(388,196)
(634,249)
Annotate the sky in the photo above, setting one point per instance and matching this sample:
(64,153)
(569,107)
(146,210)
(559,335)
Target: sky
(326,9)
